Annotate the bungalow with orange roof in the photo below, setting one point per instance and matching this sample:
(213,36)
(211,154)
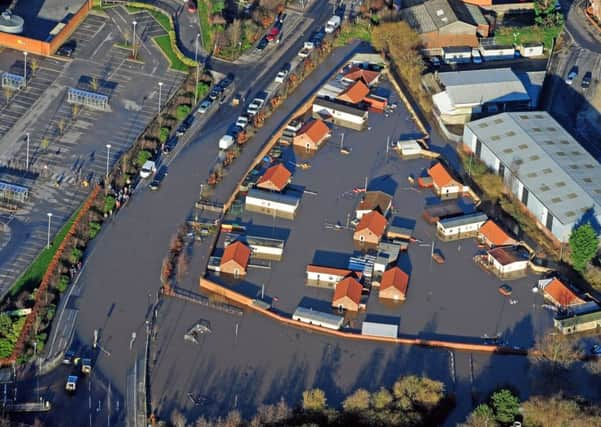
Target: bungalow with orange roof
(347,295)
(326,277)
(393,284)
(354,74)
(354,93)
(276,178)
(311,135)
(559,294)
(235,259)
(490,234)
(444,184)
(370,229)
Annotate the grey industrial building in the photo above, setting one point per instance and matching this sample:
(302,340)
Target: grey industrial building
(543,165)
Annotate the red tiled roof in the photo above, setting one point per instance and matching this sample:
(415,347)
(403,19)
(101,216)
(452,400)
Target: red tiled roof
(440,176)
(355,93)
(395,277)
(348,287)
(316,130)
(506,255)
(561,294)
(276,176)
(374,221)
(237,252)
(328,270)
(375,200)
(356,73)
(495,234)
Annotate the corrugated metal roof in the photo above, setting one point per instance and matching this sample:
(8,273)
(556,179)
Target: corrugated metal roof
(380,329)
(494,85)
(463,220)
(318,316)
(550,163)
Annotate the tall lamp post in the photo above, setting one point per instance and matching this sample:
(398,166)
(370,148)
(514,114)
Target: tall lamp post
(49,222)
(108,157)
(25,68)
(197,68)
(133,42)
(27,152)
(160,94)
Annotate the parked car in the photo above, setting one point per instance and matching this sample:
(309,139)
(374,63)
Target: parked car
(505,290)
(227,80)
(282,17)
(204,106)
(71,385)
(215,93)
(435,61)
(596,350)
(572,75)
(273,33)
(281,76)
(182,129)
(67,49)
(242,122)
(191,6)
(255,106)
(586,80)
(263,43)
(148,169)
(170,145)
(158,178)
(476,57)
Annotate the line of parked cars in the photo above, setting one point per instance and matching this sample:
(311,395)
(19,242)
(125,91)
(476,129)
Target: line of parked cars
(586,79)
(274,34)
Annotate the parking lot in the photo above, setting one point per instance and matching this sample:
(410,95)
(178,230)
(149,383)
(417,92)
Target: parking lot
(67,148)
(439,296)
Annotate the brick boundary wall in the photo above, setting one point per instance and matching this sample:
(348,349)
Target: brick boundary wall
(43,288)
(44,48)
(217,289)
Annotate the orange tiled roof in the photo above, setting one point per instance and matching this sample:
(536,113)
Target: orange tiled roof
(440,176)
(348,287)
(316,130)
(237,252)
(561,293)
(278,176)
(355,93)
(436,41)
(374,221)
(395,277)
(328,270)
(356,73)
(495,234)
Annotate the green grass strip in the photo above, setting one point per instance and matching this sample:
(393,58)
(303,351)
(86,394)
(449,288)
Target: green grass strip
(205,26)
(164,43)
(34,274)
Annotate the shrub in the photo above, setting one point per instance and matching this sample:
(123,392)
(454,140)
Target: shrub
(182,111)
(143,156)
(202,89)
(94,229)
(62,284)
(583,244)
(163,135)
(505,406)
(109,204)
(75,256)
(50,312)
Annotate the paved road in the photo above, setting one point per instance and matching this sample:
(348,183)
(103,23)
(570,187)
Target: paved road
(577,25)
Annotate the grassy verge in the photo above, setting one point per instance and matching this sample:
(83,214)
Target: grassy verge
(162,19)
(531,34)
(357,31)
(205,26)
(164,43)
(34,274)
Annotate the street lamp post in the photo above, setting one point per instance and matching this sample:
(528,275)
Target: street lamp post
(133,43)
(25,68)
(27,153)
(49,222)
(197,68)
(160,93)
(108,156)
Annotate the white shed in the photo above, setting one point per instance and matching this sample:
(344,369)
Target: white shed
(331,275)
(269,203)
(529,50)
(319,318)
(463,226)
(377,329)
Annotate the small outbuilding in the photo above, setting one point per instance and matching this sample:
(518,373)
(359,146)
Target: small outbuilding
(528,50)
(400,228)
(393,285)
(326,277)
(374,201)
(490,234)
(311,135)
(281,205)
(460,227)
(370,229)
(276,178)
(377,329)
(559,294)
(318,318)
(444,184)
(347,295)
(235,259)
(340,113)
(578,323)
(508,261)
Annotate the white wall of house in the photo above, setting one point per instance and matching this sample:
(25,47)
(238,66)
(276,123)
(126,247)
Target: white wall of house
(510,268)
(267,204)
(340,115)
(465,228)
(448,190)
(267,250)
(324,277)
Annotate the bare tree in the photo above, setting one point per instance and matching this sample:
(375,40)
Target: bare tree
(8,93)
(94,84)
(178,419)
(235,32)
(60,126)
(34,64)
(75,109)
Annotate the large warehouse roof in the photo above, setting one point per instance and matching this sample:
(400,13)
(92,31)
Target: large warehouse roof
(550,163)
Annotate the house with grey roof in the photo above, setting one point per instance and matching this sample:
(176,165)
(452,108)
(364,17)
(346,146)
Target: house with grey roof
(546,169)
(499,90)
(440,22)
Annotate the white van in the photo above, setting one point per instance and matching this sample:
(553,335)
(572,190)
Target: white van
(333,24)
(148,168)
(226,142)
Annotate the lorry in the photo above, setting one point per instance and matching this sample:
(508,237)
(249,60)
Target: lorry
(333,24)
(306,50)
(71,385)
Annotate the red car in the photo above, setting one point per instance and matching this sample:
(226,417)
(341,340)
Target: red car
(273,33)
(191,6)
